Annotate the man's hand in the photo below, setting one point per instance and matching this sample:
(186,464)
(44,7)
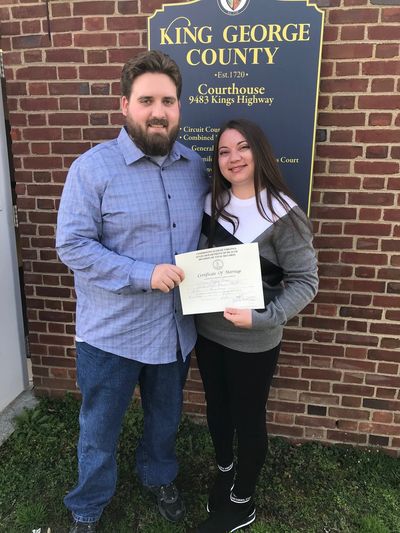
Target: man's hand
(166,277)
(241,318)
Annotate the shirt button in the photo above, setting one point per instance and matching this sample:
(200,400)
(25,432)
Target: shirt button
(169,197)
(173,225)
(144,290)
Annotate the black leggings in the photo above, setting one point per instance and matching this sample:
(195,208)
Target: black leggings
(237,386)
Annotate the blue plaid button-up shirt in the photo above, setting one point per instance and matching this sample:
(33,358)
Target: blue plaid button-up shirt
(120,215)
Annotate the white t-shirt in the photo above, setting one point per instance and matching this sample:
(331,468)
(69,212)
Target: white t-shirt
(252,224)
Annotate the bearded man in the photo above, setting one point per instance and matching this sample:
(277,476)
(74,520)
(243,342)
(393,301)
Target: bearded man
(128,206)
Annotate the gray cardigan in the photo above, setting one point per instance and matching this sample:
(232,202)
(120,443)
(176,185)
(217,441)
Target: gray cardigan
(290,282)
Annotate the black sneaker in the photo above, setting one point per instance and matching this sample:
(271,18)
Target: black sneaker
(220,491)
(231,517)
(83,527)
(170,504)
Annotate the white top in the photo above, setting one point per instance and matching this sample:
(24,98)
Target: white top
(252,224)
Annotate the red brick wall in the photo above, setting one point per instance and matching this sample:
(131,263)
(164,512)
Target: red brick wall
(338,378)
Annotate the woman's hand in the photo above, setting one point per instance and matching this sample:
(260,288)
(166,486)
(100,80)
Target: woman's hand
(241,318)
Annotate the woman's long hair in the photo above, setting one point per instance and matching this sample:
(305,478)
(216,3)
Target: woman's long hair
(267,175)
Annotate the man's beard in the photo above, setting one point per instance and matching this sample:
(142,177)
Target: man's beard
(152,143)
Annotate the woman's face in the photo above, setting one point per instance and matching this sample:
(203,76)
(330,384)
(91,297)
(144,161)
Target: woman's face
(236,161)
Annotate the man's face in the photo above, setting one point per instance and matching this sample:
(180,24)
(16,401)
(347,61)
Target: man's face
(152,113)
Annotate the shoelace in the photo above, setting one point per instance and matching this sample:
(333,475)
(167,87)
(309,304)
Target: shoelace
(169,493)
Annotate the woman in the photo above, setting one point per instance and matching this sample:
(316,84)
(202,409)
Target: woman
(237,351)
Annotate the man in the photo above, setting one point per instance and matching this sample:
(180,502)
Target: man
(128,206)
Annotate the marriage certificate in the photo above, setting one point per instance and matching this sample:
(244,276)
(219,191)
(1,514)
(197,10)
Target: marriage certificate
(216,278)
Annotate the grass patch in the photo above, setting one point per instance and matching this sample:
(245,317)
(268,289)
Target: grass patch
(303,489)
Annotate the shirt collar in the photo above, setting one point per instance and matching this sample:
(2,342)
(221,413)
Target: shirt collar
(132,153)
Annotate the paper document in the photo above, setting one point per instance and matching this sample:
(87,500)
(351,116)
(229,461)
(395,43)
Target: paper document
(216,278)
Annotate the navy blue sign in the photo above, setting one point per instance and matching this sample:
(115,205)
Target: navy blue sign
(255,59)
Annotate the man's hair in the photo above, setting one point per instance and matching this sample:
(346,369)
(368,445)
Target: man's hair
(152,61)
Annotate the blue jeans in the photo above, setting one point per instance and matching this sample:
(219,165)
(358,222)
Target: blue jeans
(107,383)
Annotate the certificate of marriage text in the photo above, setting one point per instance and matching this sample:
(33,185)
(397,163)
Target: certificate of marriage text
(216,278)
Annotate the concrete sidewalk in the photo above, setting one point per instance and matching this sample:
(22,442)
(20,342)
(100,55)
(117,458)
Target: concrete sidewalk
(25,399)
